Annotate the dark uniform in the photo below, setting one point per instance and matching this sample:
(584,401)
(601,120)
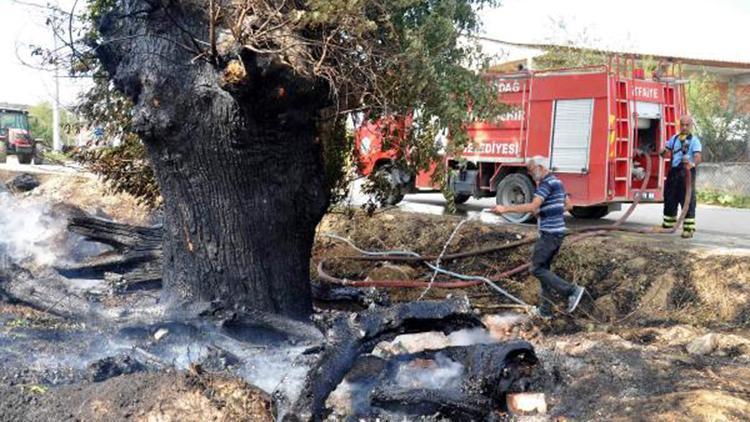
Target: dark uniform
(674,190)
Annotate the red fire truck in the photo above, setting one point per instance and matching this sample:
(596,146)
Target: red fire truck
(598,125)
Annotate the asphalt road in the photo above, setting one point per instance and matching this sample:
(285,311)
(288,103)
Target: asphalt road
(11,165)
(717,227)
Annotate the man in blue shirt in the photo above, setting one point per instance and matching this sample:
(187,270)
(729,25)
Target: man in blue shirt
(549,204)
(684,147)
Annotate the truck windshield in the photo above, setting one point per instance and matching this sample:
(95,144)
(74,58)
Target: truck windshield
(13,120)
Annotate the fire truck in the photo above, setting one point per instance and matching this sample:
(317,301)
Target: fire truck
(600,127)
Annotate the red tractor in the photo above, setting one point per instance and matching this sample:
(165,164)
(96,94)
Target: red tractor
(14,134)
(600,127)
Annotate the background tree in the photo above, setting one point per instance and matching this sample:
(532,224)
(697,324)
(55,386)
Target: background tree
(40,120)
(724,130)
(239,101)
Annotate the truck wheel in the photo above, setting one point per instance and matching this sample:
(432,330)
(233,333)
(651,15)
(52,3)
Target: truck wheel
(590,213)
(393,194)
(3,152)
(25,158)
(515,188)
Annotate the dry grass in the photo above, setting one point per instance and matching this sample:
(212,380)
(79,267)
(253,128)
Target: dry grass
(92,196)
(644,282)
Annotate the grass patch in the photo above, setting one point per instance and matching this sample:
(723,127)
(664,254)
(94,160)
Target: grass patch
(55,157)
(723,199)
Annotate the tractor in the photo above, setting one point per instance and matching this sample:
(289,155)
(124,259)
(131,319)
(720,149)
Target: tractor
(15,137)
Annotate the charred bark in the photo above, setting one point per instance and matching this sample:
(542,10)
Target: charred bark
(352,336)
(236,158)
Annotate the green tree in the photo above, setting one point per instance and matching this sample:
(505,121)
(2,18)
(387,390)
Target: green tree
(40,121)
(568,48)
(724,132)
(241,104)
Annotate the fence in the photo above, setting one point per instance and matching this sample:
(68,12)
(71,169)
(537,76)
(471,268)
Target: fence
(731,178)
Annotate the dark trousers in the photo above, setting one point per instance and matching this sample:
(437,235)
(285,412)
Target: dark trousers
(545,250)
(674,197)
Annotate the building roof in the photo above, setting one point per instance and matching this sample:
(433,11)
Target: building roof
(9,106)
(685,60)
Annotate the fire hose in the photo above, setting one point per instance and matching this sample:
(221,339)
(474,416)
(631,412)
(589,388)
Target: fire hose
(463,281)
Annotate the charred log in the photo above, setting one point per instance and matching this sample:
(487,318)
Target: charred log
(137,252)
(123,237)
(491,371)
(147,277)
(47,292)
(455,405)
(326,292)
(352,336)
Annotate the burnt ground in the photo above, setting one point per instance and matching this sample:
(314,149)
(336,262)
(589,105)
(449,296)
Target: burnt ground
(625,355)
(159,396)
(663,335)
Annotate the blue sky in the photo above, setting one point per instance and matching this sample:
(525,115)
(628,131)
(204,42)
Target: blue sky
(717,29)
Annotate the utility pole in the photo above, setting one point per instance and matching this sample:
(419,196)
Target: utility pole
(56,142)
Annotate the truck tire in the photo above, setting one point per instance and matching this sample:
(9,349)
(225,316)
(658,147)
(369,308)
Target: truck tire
(25,158)
(3,152)
(590,213)
(513,189)
(394,193)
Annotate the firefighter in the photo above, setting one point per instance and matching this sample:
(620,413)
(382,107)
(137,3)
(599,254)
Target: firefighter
(684,148)
(549,204)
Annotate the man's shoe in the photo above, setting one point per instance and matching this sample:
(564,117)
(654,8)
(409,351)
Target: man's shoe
(575,298)
(543,312)
(686,234)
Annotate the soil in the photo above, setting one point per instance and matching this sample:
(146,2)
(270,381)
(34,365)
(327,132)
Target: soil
(162,396)
(623,356)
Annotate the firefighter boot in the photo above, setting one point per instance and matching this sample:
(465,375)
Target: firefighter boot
(688,228)
(669,222)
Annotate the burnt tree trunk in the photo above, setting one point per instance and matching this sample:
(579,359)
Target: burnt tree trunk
(233,144)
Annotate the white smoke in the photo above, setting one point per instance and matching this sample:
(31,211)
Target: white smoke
(435,374)
(470,336)
(29,232)
(32,233)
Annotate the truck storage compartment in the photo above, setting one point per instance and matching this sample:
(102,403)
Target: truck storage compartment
(464,181)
